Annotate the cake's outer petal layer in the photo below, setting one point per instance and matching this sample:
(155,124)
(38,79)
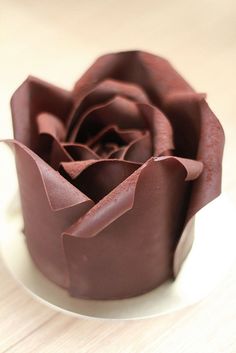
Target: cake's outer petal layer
(32,98)
(124,245)
(198,135)
(50,205)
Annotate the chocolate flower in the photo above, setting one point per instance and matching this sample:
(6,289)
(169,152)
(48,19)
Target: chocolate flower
(111,173)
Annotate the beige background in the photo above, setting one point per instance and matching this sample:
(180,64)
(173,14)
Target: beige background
(56,41)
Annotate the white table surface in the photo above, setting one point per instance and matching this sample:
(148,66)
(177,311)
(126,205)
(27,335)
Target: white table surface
(57,41)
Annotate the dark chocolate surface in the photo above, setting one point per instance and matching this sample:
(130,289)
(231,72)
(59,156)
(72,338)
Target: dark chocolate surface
(111,172)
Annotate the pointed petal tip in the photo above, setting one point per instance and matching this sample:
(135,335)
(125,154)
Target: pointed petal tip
(192,167)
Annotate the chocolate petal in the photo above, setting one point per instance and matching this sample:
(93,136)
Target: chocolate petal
(73,169)
(139,150)
(184,115)
(51,131)
(119,111)
(154,74)
(58,154)
(133,230)
(79,152)
(191,113)
(51,125)
(96,178)
(31,98)
(52,152)
(160,127)
(193,169)
(50,205)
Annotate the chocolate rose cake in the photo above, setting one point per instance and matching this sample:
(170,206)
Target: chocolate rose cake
(111,172)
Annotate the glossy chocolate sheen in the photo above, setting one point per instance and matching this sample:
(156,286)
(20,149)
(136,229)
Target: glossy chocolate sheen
(111,172)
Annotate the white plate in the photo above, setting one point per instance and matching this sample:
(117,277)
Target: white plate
(211,257)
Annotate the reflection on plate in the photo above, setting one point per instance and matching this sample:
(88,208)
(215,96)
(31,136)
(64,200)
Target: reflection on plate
(211,257)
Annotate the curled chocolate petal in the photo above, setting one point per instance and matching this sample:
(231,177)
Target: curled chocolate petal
(51,132)
(117,235)
(192,168)
(139,150)
(49,124)
(50,204)
(79,152)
